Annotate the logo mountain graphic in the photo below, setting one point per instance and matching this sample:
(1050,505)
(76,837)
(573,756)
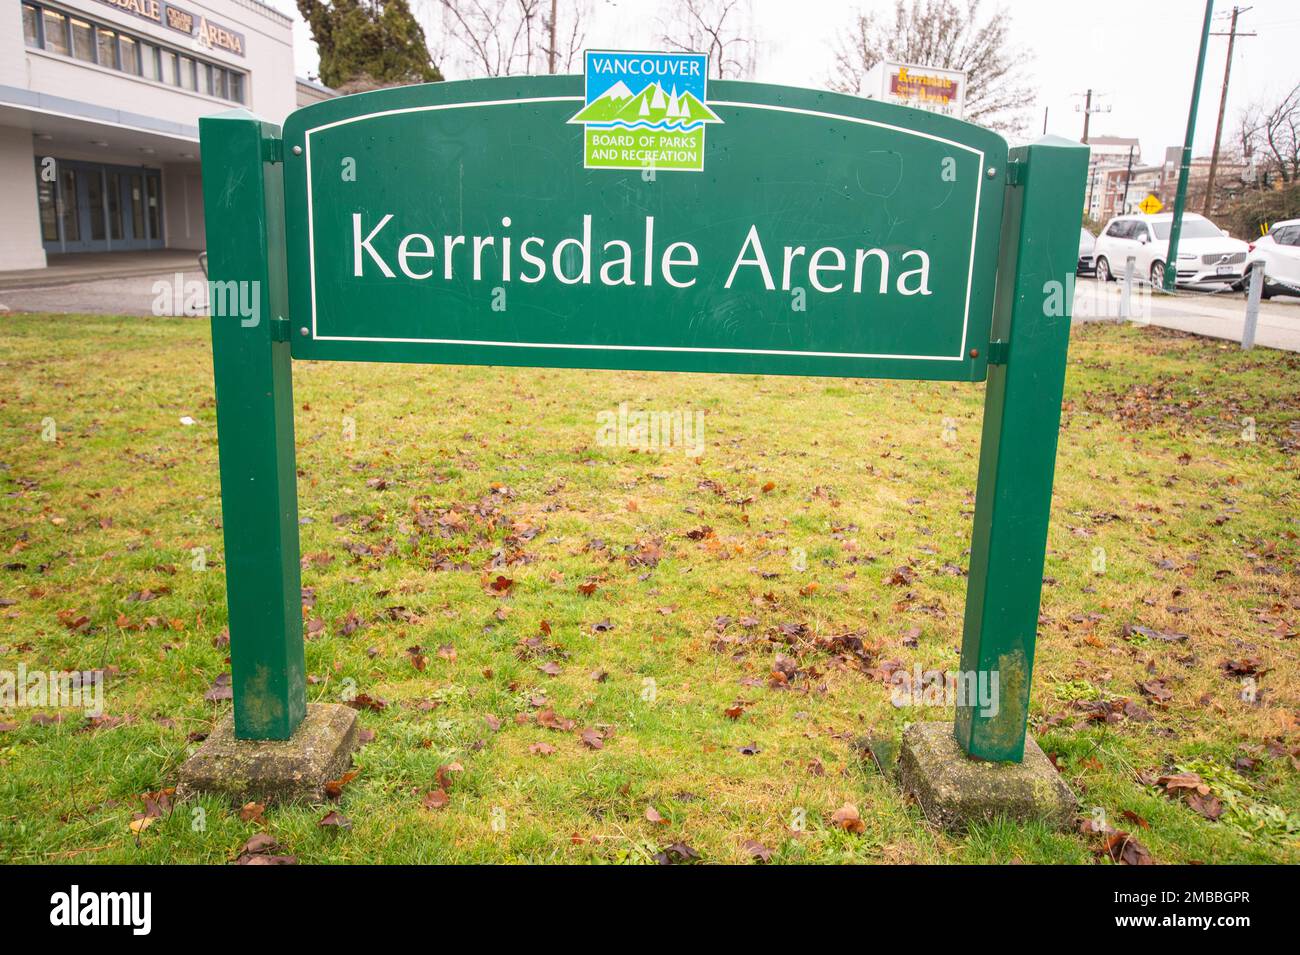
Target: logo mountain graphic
(645,111)
(650,108)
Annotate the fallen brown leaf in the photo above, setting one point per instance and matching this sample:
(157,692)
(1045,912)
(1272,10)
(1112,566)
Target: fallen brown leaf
(847,818)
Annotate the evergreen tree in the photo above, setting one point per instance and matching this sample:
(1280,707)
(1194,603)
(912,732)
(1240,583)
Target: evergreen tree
(368,43)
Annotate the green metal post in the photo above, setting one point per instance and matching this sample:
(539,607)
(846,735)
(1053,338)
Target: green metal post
(1176,228)
(244,206)
(1022,415)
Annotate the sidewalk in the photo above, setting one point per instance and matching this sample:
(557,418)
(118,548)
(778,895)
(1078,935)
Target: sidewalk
(93,266)
(1214,315)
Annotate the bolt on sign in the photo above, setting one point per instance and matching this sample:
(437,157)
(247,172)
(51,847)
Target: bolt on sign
(493,222)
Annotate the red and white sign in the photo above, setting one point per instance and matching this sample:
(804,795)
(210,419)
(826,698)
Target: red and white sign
(921,87)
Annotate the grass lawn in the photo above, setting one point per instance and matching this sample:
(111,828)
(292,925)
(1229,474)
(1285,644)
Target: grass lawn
(647,599)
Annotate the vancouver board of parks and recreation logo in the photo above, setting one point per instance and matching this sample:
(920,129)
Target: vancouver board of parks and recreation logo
(645,110)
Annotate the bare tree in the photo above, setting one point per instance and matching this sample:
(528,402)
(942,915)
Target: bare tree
(495,37)
(1271,136)
(724,29)
(511,37)
(563,41)
(943,34)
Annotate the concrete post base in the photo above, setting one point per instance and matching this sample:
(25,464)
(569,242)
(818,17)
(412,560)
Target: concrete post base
(955,790)
(266,771)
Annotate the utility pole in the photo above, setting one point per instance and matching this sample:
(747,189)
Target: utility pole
(1232,35)
(1128,177)
(1088,109)
(550,55)
(1176,227)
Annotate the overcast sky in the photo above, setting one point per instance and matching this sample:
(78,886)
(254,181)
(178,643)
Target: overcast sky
(1138,54)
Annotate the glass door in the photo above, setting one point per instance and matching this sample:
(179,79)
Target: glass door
(58,194)
(47,200)
(70,200)
(91,207)
(96,210)
(113,201)
(135,187)
(129,214)
(153,209)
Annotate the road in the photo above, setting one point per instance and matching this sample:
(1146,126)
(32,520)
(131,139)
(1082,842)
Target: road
(1212,311)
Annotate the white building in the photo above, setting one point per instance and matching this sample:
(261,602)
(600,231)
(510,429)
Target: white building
(99,116)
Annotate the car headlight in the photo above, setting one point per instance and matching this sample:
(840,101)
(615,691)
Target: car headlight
(1187,255)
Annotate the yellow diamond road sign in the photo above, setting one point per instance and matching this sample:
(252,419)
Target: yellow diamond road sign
(1151,205)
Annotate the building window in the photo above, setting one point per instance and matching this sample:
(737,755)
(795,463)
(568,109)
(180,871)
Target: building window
(31,25)
(56,32)
(106,41)
(83,46)
(130,55)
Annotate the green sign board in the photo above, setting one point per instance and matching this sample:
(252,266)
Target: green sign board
(635,218)
(824,235)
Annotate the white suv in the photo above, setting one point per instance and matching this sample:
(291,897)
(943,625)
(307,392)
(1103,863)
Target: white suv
(1205,252)
(1278,254)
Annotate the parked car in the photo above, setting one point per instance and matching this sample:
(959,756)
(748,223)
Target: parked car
(1278,256)
(1087,264)
(1205,252)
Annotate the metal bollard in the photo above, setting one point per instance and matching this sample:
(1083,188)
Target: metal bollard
(1252,308)
(1129,265)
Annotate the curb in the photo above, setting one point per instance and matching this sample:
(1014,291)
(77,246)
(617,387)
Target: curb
(33,283)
